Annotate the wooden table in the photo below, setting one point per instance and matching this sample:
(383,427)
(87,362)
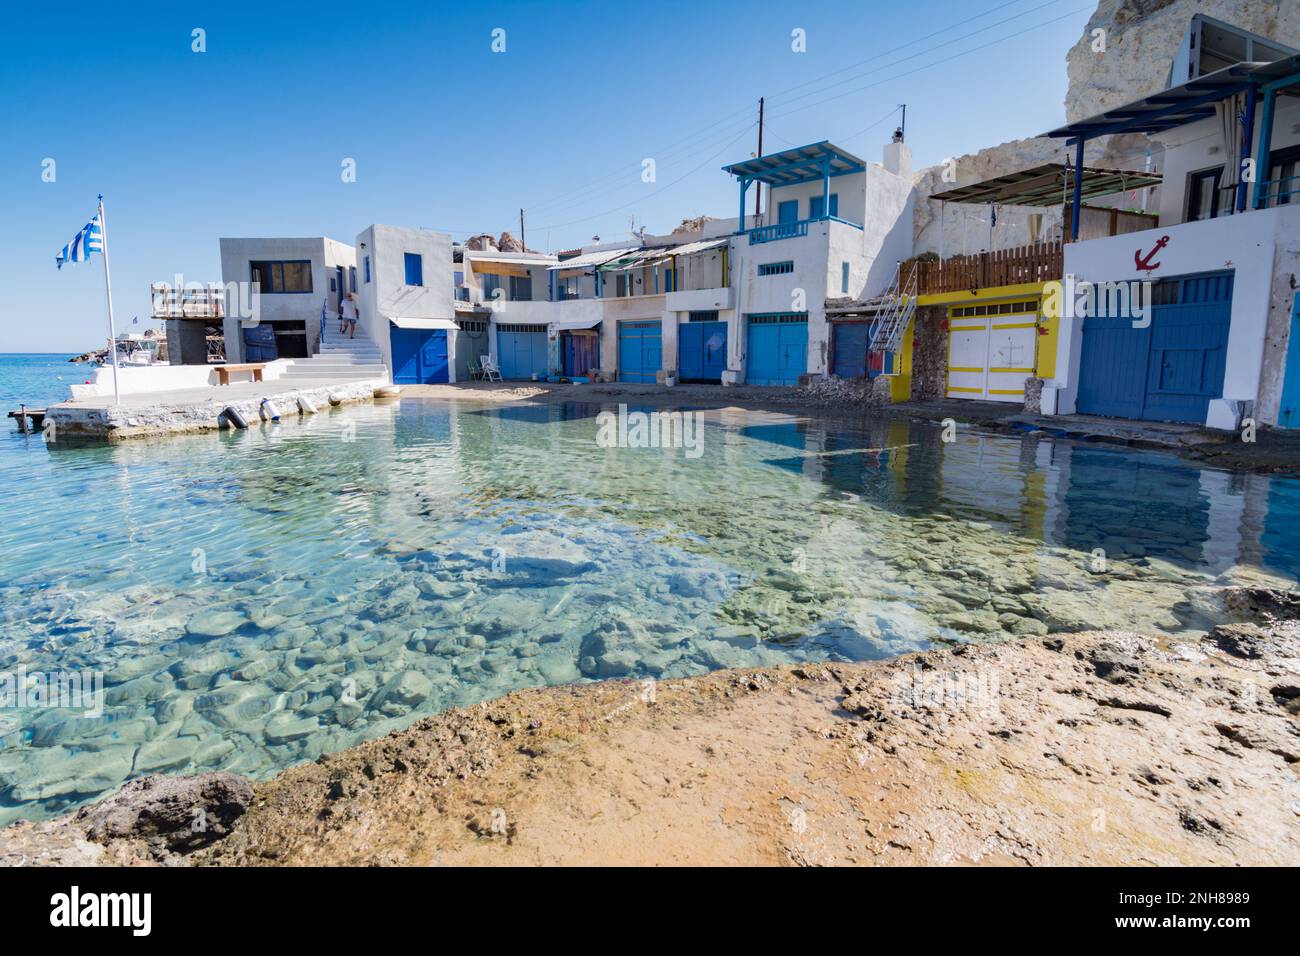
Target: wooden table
(223,371)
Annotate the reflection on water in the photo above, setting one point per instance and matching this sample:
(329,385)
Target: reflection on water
(255,599)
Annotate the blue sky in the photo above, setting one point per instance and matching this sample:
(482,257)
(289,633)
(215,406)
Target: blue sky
(247,138)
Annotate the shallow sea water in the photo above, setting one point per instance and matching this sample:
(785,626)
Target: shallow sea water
(255,599)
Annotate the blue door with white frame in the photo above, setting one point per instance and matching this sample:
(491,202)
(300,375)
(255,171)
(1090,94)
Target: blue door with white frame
(419,356)
(788,211)
(1289,414)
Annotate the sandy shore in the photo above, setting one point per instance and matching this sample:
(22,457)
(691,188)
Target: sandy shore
(1093,748)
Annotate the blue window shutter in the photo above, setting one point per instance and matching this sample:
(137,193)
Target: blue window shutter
(788,211)
(367,269)
(835,204)
(414,269)
(815,207)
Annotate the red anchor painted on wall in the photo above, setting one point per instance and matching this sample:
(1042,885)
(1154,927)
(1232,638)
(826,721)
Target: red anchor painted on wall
(1144,263)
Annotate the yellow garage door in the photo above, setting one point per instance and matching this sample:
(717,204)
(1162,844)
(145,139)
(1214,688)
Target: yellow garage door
(990,356)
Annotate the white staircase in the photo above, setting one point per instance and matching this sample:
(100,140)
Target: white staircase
(341,357)
(897,306)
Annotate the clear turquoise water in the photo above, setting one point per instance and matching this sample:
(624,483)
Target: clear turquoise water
(256,599)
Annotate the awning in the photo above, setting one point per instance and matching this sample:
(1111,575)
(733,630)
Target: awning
(520,260)
(573,325)
(640,259)
(691,248)
(1048,185)
(589,260)
(803,164)
(496,268)
(412,322)
(1162,111)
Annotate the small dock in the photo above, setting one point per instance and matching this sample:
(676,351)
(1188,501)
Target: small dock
(28,419)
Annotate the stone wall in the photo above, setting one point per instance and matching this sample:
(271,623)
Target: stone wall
(930,353)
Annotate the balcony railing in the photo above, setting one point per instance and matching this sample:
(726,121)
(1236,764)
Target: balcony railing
(1039,262)
(1280,192)
(780,230)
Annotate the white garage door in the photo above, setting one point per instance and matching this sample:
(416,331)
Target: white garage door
(990,356)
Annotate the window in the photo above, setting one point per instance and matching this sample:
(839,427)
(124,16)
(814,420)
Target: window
(367,270)
(568,287)
(844,277)
(491,285)
(352,277)
(521,288)
(707,315)
(815,206)
(788,211)
(1203,194)
(276,276)
(775,268)
(333,285)
(414,268)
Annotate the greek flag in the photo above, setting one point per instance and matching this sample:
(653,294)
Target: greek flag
(90,239)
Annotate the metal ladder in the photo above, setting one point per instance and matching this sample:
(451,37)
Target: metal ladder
(899,306)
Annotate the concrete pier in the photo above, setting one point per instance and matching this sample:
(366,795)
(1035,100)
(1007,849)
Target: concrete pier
(180,411)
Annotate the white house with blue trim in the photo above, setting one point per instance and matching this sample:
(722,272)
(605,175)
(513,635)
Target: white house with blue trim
(1223,264)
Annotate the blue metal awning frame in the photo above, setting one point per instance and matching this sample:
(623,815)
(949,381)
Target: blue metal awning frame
(790,167)
(803,164)
(1194,101)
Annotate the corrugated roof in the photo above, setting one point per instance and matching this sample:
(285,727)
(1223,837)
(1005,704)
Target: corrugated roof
(1048,185)
(587,260)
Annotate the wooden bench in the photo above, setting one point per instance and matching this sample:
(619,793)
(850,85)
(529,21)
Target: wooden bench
(223,371)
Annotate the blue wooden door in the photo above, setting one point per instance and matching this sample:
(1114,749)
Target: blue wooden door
(702,351)
(1289,413)
(640,351)
(433,357)
(419,356)
(777,350)
(521,353)
(788,211)
(850,358)
(1171,369)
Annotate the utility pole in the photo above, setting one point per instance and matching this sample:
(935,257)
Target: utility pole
(758,192)
(903,128)
(521,231)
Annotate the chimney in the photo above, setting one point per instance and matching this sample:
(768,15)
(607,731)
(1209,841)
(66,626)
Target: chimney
(898,158)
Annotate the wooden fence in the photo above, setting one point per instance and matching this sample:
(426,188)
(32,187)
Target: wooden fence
(1034,263)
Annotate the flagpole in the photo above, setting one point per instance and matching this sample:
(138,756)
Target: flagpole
(108,290)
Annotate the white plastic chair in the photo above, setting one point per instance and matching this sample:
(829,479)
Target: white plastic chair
(489,369)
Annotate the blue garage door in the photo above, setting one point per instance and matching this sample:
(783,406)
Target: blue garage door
(419,356)
(521,351)
(1289,413)
(1168,371)
(701,351)
(640,351)
(850,359)
(777,348)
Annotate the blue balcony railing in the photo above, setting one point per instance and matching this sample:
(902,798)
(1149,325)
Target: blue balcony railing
(780,230)
(1280,192)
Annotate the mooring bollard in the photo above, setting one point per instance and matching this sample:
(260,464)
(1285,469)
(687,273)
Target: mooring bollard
(22,419)
(231,414)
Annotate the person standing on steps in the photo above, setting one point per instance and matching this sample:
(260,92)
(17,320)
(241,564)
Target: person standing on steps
(350,315)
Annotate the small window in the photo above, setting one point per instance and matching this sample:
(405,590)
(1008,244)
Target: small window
(414,268)
(352,277)
(278,276)
(367,270)
(775,268)
(1203,194)
(844,277)
(334,286)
